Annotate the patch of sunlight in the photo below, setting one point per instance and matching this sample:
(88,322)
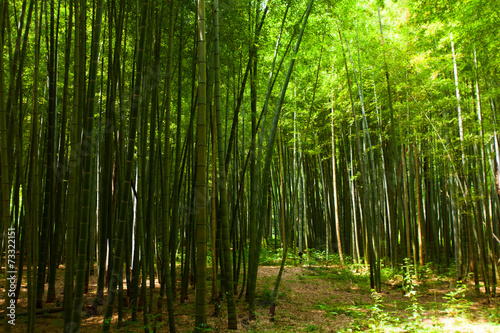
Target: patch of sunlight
(461,324)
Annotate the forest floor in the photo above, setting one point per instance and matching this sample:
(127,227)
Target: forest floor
(314,299)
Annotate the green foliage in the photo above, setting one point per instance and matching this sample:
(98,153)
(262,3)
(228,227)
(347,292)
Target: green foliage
(381,320)
(356,277)
(494,315)
(204,328)
(265,298)
(457,304)
(410,288)
(408,51)
(425,271)
(315,257)
(351,311)
(269,257)
(378,314)
(311,328)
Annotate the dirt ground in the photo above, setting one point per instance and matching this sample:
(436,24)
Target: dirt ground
(311,299)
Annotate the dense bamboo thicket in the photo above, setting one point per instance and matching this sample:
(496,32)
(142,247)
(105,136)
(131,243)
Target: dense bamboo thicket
(145,141)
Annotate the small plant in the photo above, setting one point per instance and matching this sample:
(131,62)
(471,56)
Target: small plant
(218,324)
(425,271)
(129,326)
(409,285)
(356,326)
(410,288)
(381,320)
(312,328)
(457,303)
(379,316)
(270,258)
(494,315)
(204,328)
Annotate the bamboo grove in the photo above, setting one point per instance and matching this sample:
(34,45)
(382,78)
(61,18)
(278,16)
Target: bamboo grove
(161,145)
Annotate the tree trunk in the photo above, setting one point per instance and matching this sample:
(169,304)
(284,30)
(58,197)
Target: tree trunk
(201,166)
(125,190)
(87,197)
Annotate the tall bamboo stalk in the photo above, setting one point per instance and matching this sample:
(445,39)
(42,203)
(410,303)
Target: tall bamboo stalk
(201,166)
(125,191)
